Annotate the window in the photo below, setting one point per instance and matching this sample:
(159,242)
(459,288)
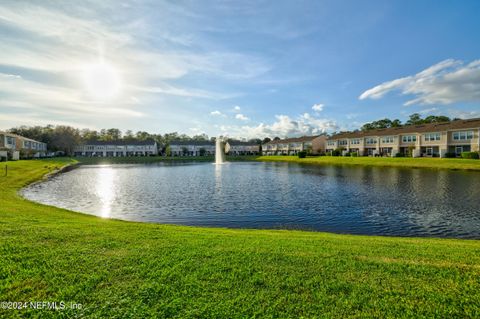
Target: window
(432,137)
(370,140)
(409,138)
(343,142)
(461,136)
(355,141)
(387,139)
(331,143)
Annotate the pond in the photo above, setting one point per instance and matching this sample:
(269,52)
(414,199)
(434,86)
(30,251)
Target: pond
(340,199)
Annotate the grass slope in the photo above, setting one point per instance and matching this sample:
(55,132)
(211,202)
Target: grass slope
(121,269)
(407,162)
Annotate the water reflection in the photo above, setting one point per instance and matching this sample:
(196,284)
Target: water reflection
(359,200)
(105,189)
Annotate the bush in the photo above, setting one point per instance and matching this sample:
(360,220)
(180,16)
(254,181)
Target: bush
(302,154)
(470,155)
(354,154)
(450,155)
(399,155)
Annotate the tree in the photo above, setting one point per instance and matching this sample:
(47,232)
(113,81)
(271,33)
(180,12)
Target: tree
(276,138)
(266,140)
(65,138)
(414,119)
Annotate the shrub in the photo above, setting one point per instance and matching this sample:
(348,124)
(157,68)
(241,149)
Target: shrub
(450,155)
(354,154)
(470,155)
(399,155)
(302,154)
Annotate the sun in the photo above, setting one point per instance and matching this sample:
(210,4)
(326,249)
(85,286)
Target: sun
(102,81)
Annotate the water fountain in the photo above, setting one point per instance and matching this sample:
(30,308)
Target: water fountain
(219,151)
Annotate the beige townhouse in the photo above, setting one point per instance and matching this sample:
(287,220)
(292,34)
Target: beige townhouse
(16,147)
(425,140)
(291,146)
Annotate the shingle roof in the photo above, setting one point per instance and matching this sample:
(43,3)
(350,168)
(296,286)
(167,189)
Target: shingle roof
(294,139)
(242,143)
(121,143)
(422,128)
(196,143)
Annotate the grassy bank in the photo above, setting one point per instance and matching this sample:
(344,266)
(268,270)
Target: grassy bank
(407,162)
(156,159)
(121,269)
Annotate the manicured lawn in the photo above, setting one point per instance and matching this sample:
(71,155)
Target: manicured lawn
(442,163)
(121,269)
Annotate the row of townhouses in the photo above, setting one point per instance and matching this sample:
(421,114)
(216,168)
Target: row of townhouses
(16,146)
(291,146)
(427,140)
(205,148)
(117,148)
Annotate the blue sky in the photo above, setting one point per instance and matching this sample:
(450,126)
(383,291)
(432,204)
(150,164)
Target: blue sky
(237,68)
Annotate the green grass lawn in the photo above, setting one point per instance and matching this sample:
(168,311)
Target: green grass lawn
(121,269)
(442,163)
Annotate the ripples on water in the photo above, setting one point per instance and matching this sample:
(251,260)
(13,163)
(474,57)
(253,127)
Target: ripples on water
(341,199)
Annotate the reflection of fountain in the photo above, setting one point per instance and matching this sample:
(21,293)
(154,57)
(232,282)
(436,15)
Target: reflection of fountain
(219,151)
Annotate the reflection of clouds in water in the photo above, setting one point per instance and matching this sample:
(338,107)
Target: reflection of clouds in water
(105,189)
(366,200)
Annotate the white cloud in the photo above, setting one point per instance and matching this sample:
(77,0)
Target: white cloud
(447,82)
(318,107)
(236,108)
(216,113)
(241,117)
(284,126)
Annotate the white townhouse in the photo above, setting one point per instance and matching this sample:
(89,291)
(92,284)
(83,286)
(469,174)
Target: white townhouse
(242,148)
(117,148)
(425,140)
(192,148)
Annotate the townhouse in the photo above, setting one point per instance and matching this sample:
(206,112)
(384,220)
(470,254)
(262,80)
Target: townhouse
(291,146)
(15,147)
(116,148)
(425,140)
(192,148)
(242,148)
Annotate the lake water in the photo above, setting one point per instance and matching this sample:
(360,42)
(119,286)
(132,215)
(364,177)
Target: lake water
(340,199)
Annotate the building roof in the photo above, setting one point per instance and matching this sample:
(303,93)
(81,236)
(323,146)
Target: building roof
(295,139)
(121,143)
(422,128)
(196,143)
(234,143)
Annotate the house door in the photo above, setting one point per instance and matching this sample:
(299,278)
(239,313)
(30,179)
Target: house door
(459,150)
(429,151)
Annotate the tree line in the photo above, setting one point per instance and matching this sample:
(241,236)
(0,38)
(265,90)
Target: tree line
(414,119)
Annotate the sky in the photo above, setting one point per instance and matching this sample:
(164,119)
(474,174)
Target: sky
(236,68)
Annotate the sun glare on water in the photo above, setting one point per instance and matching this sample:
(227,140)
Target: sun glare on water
(102,81)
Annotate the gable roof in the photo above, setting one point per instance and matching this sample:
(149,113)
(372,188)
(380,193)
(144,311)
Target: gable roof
(242,143)
(421,128)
